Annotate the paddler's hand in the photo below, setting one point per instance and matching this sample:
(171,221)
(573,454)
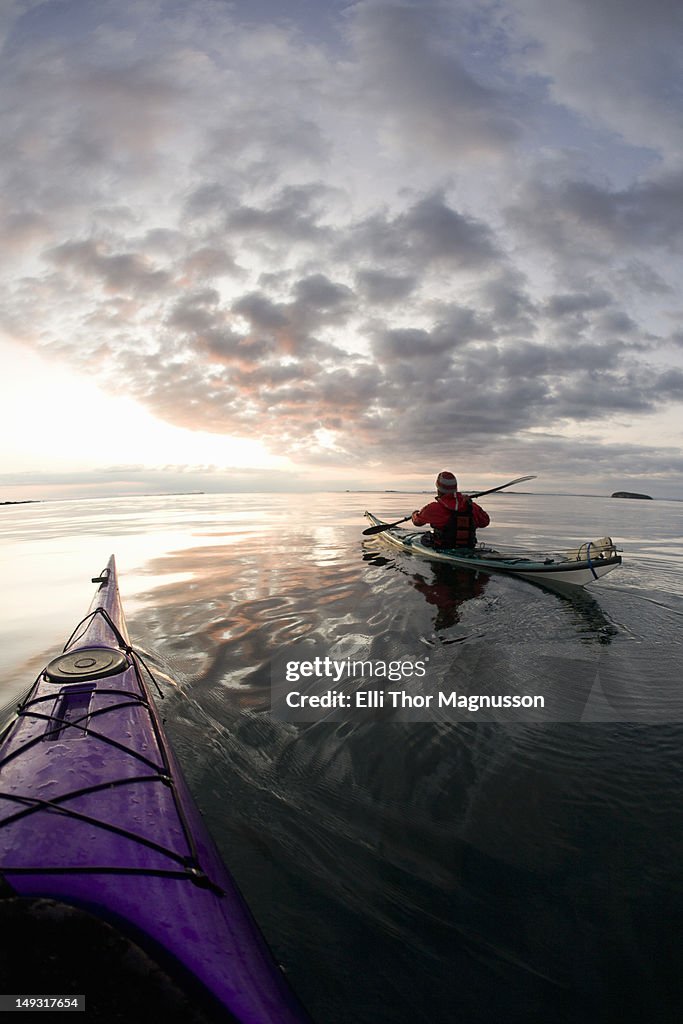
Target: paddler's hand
(415,513)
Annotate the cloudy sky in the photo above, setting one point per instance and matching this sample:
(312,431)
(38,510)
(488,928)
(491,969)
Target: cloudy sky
(312,243)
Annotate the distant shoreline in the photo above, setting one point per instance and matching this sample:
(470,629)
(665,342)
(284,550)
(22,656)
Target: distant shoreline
(360,491)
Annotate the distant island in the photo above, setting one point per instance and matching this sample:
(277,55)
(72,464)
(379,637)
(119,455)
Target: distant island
(632,494)
(29,501)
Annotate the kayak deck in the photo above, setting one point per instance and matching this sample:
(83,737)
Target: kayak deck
(578,567)
(95,814)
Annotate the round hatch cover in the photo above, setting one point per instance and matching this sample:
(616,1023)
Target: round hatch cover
(88,663)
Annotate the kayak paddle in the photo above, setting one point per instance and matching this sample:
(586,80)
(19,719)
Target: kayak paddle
(371,530)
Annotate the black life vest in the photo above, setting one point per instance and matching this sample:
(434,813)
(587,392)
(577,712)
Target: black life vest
(459,531)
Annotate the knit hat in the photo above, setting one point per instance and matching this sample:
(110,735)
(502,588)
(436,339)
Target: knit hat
(446,483)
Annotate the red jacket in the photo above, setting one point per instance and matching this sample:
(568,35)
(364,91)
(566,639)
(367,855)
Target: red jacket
(437,513)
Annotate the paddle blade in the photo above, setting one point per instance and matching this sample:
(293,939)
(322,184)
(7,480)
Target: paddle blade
(491,490)
(377,529)
(381,527)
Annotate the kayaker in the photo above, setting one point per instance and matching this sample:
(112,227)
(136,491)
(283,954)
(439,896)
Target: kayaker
(454,517)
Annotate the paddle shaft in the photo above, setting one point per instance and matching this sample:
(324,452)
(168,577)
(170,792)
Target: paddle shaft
(519,480)
(371,530)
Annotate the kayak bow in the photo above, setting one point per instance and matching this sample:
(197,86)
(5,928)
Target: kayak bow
(95,817)
(571,568)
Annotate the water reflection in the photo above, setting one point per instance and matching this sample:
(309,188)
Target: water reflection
(444,587)
(225,625)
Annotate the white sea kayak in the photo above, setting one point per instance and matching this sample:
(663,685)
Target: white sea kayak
(575,568)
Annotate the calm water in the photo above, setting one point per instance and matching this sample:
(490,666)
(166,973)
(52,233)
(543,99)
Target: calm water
(478,871)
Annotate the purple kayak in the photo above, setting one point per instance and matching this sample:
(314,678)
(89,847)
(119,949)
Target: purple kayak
(96,821)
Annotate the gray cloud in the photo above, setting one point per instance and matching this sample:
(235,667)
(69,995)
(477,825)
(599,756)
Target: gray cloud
(416,82)
(318,292)
(384,289)
(429,233)
(405,343)
(118,271)
(438,232)
(580,218)
(615,63)
(293,215)
(261,312)
(559,306)
(506,298)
